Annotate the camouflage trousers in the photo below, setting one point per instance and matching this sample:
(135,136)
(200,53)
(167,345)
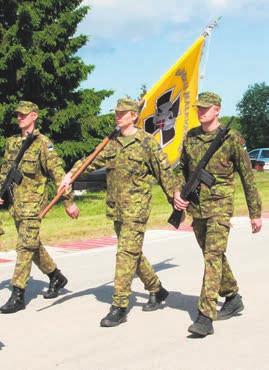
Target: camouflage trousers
(29,249)
(1,233)
(1,228)
(212,236)
(130,261)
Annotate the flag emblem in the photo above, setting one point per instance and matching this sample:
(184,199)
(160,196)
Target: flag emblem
(164,119)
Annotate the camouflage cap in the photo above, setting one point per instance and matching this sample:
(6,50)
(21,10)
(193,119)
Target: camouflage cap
(26,107)
(127,104)
(207,99)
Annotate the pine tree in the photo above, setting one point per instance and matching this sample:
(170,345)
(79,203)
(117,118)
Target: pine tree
(39,62)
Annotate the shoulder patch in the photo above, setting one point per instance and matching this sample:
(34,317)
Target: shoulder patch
(50,146)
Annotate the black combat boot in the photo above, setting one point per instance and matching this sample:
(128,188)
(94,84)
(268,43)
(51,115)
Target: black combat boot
(116,316)
(202,326)
(15,302)
(231,307)
(57,281)
(155,299)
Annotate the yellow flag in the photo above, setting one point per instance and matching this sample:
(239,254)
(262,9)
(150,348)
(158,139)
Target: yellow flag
(168,111)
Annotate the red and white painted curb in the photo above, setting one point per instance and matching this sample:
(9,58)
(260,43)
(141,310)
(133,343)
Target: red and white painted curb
(105,241)
(111,241)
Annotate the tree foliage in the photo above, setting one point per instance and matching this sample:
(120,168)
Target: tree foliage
(254,116)
(39,62)
(143,91)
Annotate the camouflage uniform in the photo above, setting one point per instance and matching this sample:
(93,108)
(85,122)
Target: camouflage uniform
(211,217)
(131,163)
(1,233)
(1,228)
(39,163)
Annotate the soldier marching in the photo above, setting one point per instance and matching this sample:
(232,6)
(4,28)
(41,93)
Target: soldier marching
(132,161)
(211,216)
(39,163)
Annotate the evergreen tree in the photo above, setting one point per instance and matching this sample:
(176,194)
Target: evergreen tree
(38,62)
(254,116)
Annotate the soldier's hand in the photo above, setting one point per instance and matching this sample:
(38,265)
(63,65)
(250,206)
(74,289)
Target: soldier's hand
(72,211)
(65,183)
(179,203)
(256,225)
(1,202)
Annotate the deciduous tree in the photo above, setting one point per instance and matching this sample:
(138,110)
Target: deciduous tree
(254,115)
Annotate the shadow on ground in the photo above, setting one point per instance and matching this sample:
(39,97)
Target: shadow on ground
(34,288)
(104,292)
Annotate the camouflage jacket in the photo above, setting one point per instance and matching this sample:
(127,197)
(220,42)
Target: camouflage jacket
(39,163)
(131,163)
(230,157)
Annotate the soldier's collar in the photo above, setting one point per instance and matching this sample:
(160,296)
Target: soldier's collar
(210,133)
(137,136)
(36,132)
(126,140)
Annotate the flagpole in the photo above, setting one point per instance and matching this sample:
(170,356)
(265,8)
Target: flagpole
(207,33)
(209,28)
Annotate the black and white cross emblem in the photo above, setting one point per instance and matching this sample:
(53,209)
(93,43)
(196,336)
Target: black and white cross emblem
(164,119)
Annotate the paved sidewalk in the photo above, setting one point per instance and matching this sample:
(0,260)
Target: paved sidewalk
(64,333)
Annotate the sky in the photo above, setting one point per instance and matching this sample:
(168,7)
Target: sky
(134,42)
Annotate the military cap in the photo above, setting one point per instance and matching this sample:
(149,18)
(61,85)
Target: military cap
(127,104)
(207,99)
(26,107)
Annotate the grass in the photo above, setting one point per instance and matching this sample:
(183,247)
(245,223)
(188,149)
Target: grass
(58,227)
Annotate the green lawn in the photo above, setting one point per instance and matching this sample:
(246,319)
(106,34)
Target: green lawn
(58,227)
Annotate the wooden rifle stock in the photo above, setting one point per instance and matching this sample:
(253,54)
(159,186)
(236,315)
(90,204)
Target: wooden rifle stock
(80,170)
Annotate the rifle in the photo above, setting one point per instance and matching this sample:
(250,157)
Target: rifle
(93,154)
(14,176)
(190,190)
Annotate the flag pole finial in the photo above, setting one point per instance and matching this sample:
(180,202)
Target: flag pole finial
(209,28)
(207,33)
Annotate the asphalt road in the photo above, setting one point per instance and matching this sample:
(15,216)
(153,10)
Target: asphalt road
(64,333)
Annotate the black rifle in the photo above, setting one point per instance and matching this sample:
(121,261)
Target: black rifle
(14,176)
(191,189)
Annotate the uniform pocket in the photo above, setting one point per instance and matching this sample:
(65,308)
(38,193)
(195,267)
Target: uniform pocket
(29,234)
(225,223)
(24,210)
(29,168)
(110,160)
(218,192)
(7,164)
(135,165)
(29,165)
